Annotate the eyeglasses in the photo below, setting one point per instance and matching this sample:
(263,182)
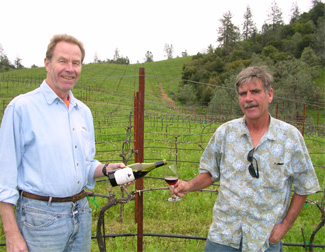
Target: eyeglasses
(251,167)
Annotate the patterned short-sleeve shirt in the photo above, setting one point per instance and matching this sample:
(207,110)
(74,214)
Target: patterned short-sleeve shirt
(247,208)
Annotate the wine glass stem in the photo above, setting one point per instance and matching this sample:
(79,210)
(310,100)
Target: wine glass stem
(173,188)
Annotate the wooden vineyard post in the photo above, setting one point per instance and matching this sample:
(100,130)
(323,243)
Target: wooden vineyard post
(277,110)
(135,119)
(303,121)
(138,146)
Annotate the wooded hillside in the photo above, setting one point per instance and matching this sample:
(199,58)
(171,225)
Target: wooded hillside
(294,53)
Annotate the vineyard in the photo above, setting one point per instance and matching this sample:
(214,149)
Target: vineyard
(174,132)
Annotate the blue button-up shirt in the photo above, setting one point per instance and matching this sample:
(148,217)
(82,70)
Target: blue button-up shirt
(46,148)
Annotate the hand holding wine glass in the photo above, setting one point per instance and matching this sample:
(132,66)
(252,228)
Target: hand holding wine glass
(171,177)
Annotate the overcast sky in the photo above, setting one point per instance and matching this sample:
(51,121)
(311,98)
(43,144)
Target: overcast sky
(132,26)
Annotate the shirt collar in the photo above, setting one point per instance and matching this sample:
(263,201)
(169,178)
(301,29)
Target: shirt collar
(269,134)
(51,96)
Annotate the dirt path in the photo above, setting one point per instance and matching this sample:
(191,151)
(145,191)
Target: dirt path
(166,98)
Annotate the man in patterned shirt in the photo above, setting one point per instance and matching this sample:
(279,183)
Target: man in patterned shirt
(257,159)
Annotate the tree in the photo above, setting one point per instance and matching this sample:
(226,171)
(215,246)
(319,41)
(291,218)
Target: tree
(123,61)
(3,57)
(315,2)
(184,54)
(117,59)
(305,28)
(317,11)
(186,94)
(18,64)
(148,57)
(225,94)
(96,58)
(2,52)
(210,49)
(5,64)
(116,54)
(269,50)
(169,51)
(229,33)
(295,13)
(275,15)
(318,40)
(309,57)
(293,81)
(249,27)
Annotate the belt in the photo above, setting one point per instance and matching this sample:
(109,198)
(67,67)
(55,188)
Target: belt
(73,198)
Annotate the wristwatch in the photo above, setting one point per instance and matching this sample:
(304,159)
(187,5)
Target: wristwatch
(104,169)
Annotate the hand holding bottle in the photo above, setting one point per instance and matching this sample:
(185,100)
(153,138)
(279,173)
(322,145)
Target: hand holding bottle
(131,172)
(103,169)
(116,166)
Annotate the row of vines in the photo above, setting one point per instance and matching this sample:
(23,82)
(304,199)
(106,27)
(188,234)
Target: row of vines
(173,132)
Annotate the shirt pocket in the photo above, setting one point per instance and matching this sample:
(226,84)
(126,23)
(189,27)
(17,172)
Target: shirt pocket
(86,144)
(276,176)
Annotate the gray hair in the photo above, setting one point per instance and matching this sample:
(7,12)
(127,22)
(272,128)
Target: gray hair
(255,73)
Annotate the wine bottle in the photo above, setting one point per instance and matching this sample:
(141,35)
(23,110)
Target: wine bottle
(132,172)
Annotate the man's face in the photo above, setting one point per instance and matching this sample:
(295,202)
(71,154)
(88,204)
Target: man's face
(64,69)
(253,100)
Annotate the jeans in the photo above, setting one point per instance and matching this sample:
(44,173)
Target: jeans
(54,227)
(211,246)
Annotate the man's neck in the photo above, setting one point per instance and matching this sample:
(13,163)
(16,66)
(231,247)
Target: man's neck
(64,95)
(257,128)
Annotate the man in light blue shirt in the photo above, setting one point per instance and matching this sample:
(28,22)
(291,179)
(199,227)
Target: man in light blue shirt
(47,149)
(257,159)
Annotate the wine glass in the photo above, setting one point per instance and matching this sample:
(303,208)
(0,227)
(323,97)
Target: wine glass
(171,177)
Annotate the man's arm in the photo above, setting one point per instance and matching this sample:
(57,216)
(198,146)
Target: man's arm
(279,230)
(201,181)
(14,239)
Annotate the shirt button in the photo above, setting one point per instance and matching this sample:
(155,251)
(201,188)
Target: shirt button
(78,182)
(75,146)
(77,164)
(72,128)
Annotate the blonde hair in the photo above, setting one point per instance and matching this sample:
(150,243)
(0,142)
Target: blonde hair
(66,38)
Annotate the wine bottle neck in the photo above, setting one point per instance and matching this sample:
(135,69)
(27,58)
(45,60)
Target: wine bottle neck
(160,163)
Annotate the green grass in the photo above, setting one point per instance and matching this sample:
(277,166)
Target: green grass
(108,90)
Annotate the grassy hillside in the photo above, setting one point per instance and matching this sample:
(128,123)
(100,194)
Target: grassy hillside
(178,134)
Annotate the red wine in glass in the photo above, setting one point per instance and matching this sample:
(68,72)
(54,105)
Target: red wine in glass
(171,177)
(171,181)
